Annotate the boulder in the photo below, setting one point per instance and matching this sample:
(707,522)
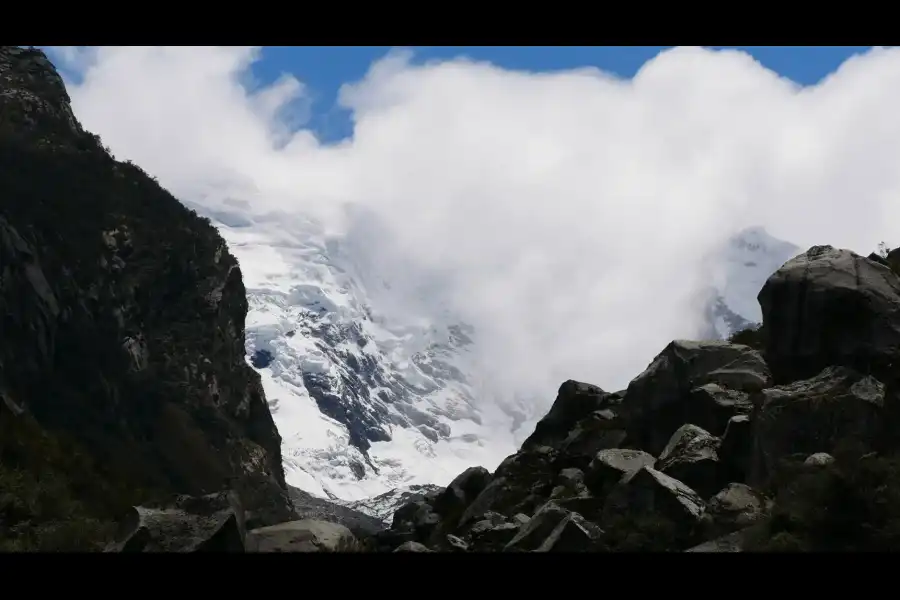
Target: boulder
(302,536)
(212,523)
(533,533)
(600,430)
(733,542)
(574,402)
(734,451)
(648,492)
(711,406)
(691,456)
(490,536)
(455,544)
(412,547)
(658,401)
(572,534)
(814,415)
(569,484)
(609,466)
(831,307)
(417,517)
(819,459)
(521,483)
(453,500)
(738,506)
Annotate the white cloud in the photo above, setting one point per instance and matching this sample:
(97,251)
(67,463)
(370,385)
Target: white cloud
(564,214)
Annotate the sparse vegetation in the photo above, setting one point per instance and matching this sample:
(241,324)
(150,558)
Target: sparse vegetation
(52,496)
(753,336)
(852,505)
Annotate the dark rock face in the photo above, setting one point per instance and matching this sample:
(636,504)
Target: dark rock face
(814,415)
(662,398)
(122,313)
(692,456)
(831,307)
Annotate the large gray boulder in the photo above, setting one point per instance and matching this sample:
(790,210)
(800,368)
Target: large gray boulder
(651,493)
(660,400)
(830,307)
(212,523)
(574,401)
(302,536)
(692,457)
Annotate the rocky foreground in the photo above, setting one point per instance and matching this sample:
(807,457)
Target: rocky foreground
(715,447)
(125,401)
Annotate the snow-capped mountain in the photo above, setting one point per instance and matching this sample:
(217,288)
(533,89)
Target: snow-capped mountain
(377,405)
(366,402)
(737,274)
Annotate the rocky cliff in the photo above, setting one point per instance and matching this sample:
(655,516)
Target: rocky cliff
(122,371)
(716,446)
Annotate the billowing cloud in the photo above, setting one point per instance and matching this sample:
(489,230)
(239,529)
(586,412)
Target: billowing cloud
(564,214)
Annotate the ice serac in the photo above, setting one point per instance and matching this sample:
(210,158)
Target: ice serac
(122,372)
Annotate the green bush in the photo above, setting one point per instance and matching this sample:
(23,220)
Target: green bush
(851,505)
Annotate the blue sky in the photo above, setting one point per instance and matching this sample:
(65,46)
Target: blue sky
(325,68)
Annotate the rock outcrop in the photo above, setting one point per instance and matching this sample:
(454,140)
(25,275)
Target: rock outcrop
(831,307)
(716,446)
(122,367)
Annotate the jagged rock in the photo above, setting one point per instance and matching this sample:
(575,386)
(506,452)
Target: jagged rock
(600,430)
(412,547)
(574,402)
(893,260)
(589,507)
(650,492)
(453,500)
(521,483)
(814,415)
(609,466)
(541,525)
(734,451)
(658,399)
(212,523)
(711,406)
(455,544)
(569,483)
(831,307)
(489,497)
(733,542)
(738,506)
(572,534)
(819,459)
(691,456)
(302,536)
(488,535)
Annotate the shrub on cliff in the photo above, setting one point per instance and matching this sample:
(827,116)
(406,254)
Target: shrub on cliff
(852,505)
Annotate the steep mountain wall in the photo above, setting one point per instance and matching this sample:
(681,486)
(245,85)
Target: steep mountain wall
(122,371)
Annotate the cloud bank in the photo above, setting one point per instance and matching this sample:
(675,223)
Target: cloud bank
(564,214)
